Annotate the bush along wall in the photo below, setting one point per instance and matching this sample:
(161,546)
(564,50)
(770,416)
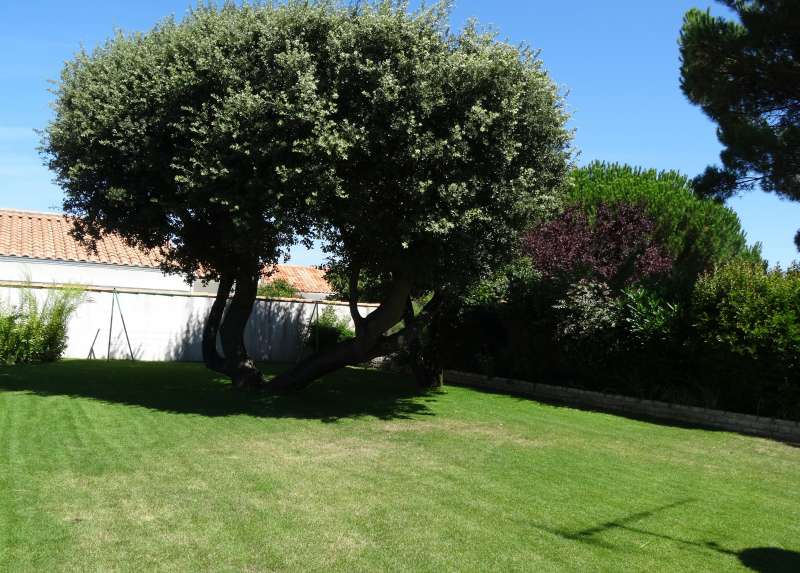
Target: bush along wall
(327,330)
(746,337)
(733,345)
(35,331)
(617,294)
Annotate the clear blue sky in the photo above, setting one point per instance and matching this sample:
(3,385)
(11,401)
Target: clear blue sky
(618,60)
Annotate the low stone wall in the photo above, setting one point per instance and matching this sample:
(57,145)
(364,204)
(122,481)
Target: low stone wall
(743,423)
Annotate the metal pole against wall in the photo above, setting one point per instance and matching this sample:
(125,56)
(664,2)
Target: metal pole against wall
(124,328)
(91,349)
(110,329)
(316,330)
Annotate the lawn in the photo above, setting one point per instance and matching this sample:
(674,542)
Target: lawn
(161,467)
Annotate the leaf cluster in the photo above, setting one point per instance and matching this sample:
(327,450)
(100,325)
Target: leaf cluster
(697,234)
(222,139)
(745,75)
(35,330)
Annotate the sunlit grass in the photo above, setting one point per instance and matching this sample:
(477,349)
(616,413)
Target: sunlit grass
(161,467)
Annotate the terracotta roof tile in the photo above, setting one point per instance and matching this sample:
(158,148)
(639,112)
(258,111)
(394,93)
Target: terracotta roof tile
(304,279)
(46,236)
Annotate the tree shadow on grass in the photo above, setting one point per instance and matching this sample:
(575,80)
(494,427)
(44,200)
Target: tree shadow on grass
(657,420)
(759,559)
(770,560)
(189,388)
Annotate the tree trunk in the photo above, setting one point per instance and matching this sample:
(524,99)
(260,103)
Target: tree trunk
(238,365)
(423,350)
(354,351)
(211,357)
(352,296)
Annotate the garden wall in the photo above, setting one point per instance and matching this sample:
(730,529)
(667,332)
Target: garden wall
(717,419)
(169,326)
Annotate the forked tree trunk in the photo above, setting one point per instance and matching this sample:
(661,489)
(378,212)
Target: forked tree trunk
(211,357)
(369,340)
(423,349)
(238,365)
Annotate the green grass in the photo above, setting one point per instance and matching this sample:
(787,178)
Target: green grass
(161,467)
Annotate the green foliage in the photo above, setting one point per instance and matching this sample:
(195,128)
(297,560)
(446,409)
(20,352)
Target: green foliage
(642,339)
(36,332)
(278,288)
(587,311)
(208,135)
(411,149)
(699,234)
(371,287)
(328,330)
(746,330)
(646,318)
(746,310)
(473,133)
(745,75)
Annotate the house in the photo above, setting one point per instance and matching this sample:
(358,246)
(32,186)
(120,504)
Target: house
(309,281)
(38,247)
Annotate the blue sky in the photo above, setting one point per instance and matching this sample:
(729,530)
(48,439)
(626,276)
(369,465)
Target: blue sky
(617,60)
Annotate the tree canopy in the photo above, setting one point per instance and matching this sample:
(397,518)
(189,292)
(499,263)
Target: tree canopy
(745,75)
(698,233)
(203,139)
(458,138)
(414,152)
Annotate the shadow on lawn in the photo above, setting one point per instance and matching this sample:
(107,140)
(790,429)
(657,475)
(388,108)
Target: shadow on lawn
(759,559)
(627,415)
(189,388)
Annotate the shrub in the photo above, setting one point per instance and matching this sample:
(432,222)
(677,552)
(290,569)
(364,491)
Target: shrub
(587,311)
(698,234)
(37,332)
(746,330)
(747,310)
(646,318)
(616,246)
(279,288)
(328,330)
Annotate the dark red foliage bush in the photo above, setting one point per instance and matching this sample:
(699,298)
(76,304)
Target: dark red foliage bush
(617,246)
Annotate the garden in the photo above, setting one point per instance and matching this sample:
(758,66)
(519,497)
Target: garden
(436,168)
(121,466)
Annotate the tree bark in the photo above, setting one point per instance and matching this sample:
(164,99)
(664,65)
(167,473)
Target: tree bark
(238,365)
(422,345)
(352,296)
(354,351)
(211,357)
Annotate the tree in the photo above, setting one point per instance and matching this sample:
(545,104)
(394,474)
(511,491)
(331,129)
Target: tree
(415,153)
(456,139)
(697,234)
(746,77)
(278,288)
(202,140)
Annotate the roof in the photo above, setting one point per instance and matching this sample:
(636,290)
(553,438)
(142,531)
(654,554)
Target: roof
(304,279)
(45,236)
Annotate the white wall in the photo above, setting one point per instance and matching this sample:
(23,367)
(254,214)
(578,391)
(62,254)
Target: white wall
(169,327)
(93,274)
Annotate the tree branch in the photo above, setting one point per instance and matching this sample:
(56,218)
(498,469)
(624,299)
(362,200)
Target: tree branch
(352,295)
(211,357)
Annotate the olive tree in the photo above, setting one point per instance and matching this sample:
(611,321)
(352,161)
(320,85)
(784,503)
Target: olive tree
(414,152)
(203,140)
(453,141)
